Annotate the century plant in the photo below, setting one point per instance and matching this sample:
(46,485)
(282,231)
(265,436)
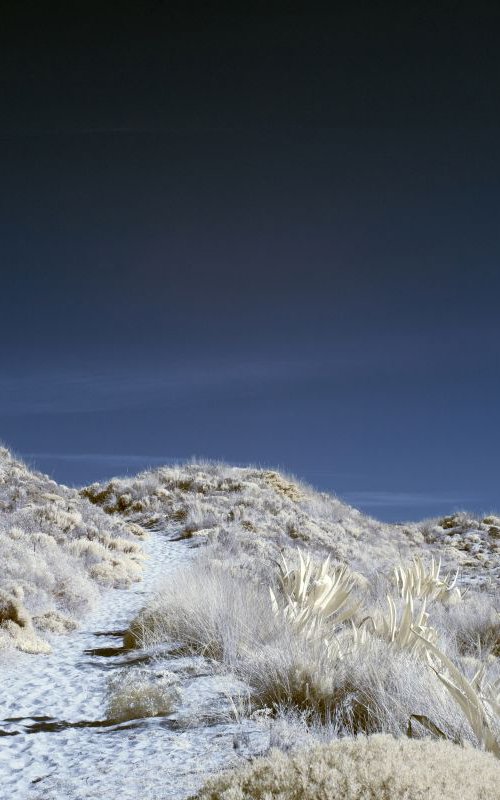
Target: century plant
(410,630)
(314,594)
(423,581)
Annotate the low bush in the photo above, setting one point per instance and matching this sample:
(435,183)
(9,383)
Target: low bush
(377,767)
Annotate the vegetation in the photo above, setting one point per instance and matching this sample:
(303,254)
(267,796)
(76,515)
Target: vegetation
(378,767)
(381,642)
(360,660)
(263,513)
(136,693)
(56,548)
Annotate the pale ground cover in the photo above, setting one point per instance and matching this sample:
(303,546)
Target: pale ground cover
(263,649)
(368,768)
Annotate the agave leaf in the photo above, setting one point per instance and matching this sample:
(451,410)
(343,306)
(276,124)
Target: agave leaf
(466,696)
(274,603)
(313,594)
(422,581)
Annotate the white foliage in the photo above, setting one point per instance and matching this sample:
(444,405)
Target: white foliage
(421,581)
(478,699)
(408,630)
(314,594)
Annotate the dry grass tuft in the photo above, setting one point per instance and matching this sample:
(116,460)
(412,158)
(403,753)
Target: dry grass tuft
(137,693)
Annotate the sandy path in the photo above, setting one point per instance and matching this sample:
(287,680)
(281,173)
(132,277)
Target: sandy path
(47,703)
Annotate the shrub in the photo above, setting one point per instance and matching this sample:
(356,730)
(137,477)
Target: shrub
(377,767)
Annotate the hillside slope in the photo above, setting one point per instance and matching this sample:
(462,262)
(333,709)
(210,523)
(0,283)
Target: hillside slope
(262,511)
(56,548)
(58,544)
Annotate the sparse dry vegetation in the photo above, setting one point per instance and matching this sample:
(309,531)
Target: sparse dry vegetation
(55,549)
(262,513)
(355,627)
(341,633)
(345,655)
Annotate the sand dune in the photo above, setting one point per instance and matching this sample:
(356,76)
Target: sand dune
(155,654)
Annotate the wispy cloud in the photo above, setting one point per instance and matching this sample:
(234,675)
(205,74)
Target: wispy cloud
(405,499)
(102,458)
(65,391)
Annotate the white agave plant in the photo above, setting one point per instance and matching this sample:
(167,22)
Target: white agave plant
(423,581)
(410,630)
(312,595)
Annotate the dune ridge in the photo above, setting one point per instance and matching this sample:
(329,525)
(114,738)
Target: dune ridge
(261,511)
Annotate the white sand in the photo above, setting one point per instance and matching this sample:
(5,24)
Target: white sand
(147,759)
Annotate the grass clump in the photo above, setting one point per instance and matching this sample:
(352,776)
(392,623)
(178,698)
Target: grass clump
(136,693)
(210,610)
(363,768)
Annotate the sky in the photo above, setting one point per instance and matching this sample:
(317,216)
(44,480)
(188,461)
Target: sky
(259,237)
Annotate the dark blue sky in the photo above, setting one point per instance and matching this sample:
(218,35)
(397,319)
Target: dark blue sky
(259,238)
